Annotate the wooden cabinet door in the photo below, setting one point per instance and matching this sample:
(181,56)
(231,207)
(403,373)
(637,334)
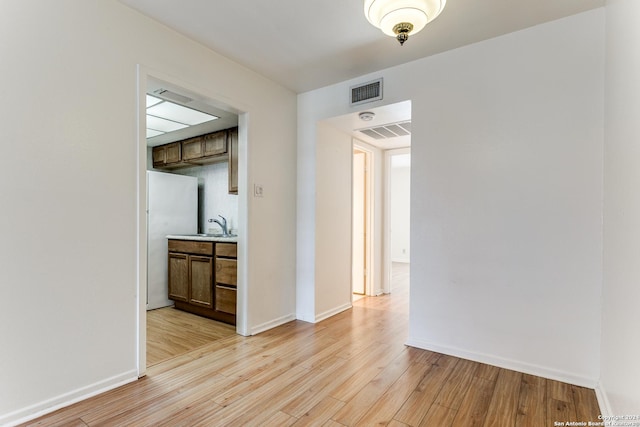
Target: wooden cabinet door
(158,156)
(233,161)
(192,149)
(201,269)
(167,154)
(178,276)
(214,144)
(173,153)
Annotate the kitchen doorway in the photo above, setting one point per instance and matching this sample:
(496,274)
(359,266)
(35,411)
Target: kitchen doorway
(149,81)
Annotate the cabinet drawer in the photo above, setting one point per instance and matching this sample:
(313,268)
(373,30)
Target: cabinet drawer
(191,247)
(226,299)
(229,250)
(227,271)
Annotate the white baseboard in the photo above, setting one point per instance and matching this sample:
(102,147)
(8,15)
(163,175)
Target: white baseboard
(272,324)
(320,317)
(603,401)
(45,407)
(501,362)
(306,317)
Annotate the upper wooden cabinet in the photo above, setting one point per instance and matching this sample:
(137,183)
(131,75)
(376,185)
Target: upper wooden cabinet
(168,155)
(232,141)
(206,148)
(192,149)
(201,150)
(215,144)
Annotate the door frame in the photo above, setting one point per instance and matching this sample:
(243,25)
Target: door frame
(143,74)
(369,218)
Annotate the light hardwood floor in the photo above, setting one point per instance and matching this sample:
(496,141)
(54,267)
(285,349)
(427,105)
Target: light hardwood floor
(172,332)
(351,369)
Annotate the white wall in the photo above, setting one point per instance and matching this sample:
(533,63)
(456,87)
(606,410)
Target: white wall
(333,207)
(506,206)
(214,197)
(400,213)
(620,370)
(68,271)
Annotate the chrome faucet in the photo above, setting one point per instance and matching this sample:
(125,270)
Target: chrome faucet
(223,224)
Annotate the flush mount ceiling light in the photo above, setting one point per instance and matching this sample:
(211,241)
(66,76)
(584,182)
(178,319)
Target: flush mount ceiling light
(400,18)
(164,116)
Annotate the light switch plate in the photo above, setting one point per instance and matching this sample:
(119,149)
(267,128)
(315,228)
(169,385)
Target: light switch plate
(257,190)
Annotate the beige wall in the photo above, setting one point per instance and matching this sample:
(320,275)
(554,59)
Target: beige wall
(68,262)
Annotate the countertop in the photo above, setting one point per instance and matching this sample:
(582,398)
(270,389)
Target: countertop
(203,238)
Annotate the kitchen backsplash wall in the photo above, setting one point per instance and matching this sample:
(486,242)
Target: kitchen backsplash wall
(213,194)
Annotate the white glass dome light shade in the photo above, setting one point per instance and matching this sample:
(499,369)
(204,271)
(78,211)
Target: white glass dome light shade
(386,14)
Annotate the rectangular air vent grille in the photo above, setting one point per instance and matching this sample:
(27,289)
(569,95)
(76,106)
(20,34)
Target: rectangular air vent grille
(391,130)
(172,96)
(368,92)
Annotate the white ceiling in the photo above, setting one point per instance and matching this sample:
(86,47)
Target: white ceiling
(307,44)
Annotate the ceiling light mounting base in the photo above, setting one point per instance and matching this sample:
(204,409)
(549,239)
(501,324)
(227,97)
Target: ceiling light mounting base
(367,116)
(402,31)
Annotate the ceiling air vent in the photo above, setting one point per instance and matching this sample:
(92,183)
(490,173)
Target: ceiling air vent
(368,92)
(391,130)
(172,96)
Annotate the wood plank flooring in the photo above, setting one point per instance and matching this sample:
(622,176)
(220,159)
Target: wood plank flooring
(172,332)
(352,369)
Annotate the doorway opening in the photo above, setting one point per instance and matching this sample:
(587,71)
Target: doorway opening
(361,223)
(228,117)
(377,137)
(399,217)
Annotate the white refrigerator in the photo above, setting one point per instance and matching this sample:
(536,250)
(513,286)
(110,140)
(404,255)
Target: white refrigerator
(172,208)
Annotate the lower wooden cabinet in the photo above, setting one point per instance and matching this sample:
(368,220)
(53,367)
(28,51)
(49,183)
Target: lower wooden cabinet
(226,277)
(201,278)
(196,286)
(178,276)
(226,299)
